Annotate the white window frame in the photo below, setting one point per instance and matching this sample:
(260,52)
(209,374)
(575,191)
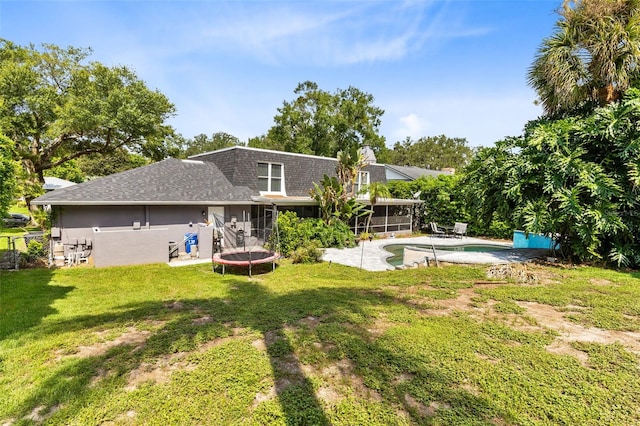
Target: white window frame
(270,178)
(361,181)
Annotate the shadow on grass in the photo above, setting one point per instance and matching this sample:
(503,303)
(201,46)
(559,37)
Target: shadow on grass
(25,298)
(343,311)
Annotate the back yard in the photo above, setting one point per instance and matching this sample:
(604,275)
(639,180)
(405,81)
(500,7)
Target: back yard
(319,344)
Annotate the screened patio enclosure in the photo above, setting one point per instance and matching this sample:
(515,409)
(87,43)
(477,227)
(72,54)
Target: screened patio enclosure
(389,215)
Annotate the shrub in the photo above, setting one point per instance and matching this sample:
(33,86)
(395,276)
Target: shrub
(35,255)
(35,250)
(442,196)
(309,253)
(294,233)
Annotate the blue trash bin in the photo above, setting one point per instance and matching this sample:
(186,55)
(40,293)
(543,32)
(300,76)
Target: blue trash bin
(190,240)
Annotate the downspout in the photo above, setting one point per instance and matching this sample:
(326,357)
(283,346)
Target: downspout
(146,217)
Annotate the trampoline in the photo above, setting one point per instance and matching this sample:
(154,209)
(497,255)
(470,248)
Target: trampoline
(244,258)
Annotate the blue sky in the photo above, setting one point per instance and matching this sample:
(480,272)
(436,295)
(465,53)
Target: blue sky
(456,67)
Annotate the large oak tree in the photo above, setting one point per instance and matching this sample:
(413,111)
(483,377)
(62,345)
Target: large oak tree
(8,173)
(433,152)
(201,143)
(323,123)
(57,107)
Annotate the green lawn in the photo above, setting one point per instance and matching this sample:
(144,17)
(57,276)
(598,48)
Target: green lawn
(316,344)
(15,231)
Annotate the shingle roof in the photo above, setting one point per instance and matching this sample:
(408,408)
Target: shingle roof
(226,176)
(239,164)
(413,172)
(169,181)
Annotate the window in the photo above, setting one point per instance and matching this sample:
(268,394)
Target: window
(270,177)
(361,181)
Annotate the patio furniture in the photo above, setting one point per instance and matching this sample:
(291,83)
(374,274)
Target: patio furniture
(436,231)
(459,229)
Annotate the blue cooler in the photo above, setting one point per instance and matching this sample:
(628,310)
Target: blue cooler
(190,240)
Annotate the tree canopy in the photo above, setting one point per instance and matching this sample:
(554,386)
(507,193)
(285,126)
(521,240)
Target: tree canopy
(592,57)
(575,172)
(442,196)
(8,174)
(201,143)
(56,108)
(434,152)
(119,160)
(322,123)
(575,178)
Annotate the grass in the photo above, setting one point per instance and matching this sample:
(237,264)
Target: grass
(7,233)
(311,344)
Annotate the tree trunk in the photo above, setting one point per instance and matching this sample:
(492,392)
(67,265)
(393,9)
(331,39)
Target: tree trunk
(607,94)
(33,185)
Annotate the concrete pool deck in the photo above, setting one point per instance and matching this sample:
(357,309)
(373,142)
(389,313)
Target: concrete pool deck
(372,255)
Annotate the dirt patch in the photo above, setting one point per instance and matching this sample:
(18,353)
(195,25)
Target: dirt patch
(464,302)
(422,409)
(328,395)
(157,372)
(41,414)
(600,281)
(380,326)
(310,321)
(544,317)
(260,345)
(487,358)
(161,370)
(264,396)
(561,347)
(342,373)
(177,305)
(568,331)
(133,337)
(202,320)
(402,378)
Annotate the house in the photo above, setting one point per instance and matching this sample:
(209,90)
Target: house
(51,183)
(225,198)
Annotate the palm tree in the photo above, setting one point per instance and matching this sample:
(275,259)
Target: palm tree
(376,191)
(592,57)
(350,162)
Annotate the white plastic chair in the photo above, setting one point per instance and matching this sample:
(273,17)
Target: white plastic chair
(459,229)
(435,230)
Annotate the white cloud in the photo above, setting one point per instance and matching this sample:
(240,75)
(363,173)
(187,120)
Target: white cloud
(482,120)
(411,125)
(330,34)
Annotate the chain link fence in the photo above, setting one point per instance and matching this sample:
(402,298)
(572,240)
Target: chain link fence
(24,251)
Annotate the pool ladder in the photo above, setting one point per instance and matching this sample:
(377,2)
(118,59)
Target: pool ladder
(435,256)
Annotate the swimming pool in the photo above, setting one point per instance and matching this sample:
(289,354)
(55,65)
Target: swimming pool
(397,250)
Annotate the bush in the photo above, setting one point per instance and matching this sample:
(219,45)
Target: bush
(295,233)
(35,256)
(442,196)
(35,250)
(309,253)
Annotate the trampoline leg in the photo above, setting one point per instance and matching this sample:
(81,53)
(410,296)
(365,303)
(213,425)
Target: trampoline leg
(249,269)
(223,269)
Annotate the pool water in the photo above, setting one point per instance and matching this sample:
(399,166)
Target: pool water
(397,250)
